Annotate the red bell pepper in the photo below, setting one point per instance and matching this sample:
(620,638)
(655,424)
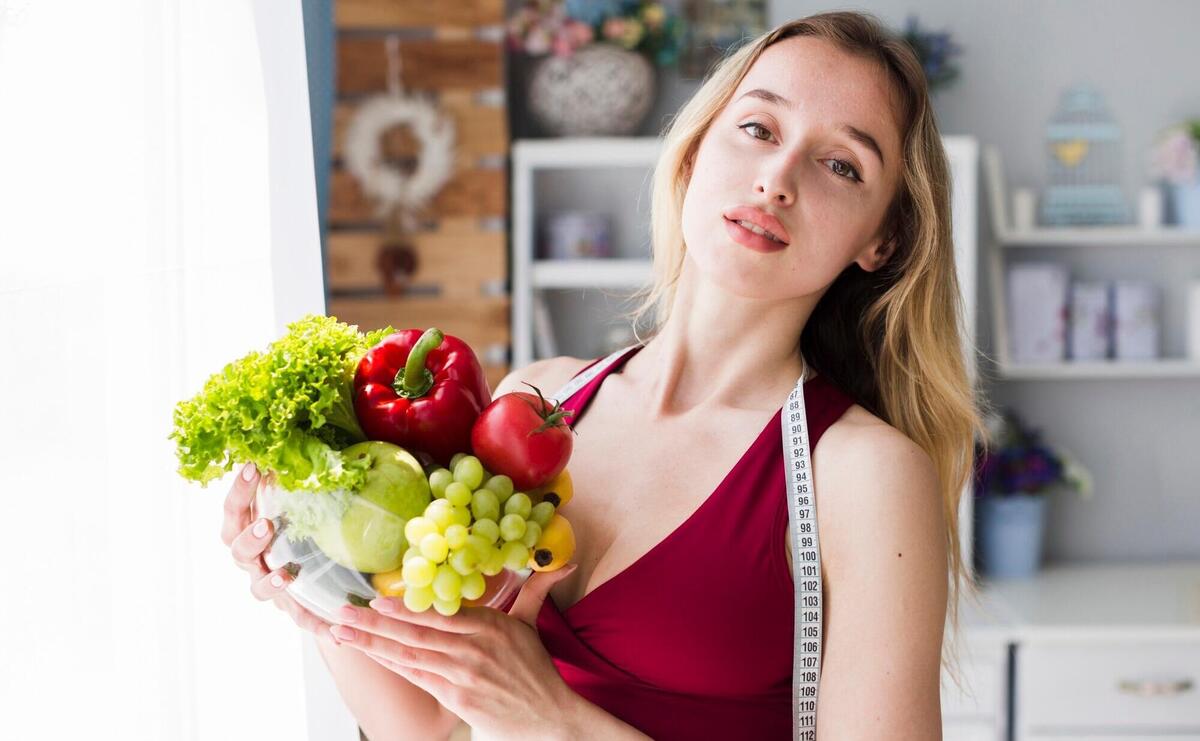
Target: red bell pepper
(421,391)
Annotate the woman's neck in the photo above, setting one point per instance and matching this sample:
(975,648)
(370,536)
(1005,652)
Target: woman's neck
(720,350)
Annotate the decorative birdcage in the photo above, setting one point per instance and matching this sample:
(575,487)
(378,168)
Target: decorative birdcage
(1083,146)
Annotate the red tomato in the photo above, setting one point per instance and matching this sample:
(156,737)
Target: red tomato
(523,437)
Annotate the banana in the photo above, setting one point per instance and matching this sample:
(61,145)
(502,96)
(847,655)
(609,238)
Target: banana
(555,547)
(560,487)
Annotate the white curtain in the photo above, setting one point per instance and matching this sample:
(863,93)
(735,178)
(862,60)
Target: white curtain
(157,220)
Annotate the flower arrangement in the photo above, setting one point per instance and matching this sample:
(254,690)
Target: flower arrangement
(1175,156)
(934,50)
(541,27)
(1016,461)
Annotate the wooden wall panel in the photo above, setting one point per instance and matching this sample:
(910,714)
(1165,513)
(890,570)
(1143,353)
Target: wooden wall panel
(481,130)
(450,51)
(427,64)
(481,321)
(477,193)
(459,265)
(374,14)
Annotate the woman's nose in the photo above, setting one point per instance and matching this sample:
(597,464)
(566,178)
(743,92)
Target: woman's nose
(776,186)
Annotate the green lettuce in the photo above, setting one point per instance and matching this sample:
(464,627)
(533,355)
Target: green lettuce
(288,410)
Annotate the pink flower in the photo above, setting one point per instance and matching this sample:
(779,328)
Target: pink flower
(538,42)
(613,29)
(562,45)
(580,32)
(1176,157)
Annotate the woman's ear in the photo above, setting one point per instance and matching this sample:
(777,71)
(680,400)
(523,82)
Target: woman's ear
(877,256)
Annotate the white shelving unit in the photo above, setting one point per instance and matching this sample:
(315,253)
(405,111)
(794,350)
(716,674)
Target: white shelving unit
(531,277)
(1008,239)
(613,273)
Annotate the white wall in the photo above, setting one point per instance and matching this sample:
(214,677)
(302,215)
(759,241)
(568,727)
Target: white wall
(1140,437)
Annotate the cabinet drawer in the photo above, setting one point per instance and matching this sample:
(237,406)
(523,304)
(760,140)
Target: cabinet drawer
(1115,686)
(984,670)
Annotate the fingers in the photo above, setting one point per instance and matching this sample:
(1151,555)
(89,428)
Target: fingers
(533,593)
(249,545)
(398,653)
(304,619)
(269,585)
(468,620)
(399,629)
(237,503)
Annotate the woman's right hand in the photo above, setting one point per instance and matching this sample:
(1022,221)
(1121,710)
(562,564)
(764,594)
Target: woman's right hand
(248,540)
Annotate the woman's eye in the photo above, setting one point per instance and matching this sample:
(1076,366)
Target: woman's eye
(755,125)
(846,170)
(848,167)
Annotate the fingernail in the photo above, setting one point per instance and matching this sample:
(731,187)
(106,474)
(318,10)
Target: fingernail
(382,604)
(342,633)
(292,568)
(277,581)
(260,529)
(249,471)
(348,613)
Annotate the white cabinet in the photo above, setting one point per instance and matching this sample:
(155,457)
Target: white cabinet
(1150,688)
(978,711)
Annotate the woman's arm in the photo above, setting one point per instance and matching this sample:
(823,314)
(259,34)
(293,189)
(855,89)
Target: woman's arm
(586,720)
(883,543)
(385,705)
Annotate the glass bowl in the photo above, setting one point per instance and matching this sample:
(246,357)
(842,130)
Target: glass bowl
(338,541)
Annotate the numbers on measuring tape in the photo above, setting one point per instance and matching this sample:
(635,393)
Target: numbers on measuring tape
(806,654)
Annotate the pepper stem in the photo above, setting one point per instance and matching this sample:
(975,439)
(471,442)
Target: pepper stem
(414,380)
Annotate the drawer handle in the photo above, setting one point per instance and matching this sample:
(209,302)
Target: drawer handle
(1154,688)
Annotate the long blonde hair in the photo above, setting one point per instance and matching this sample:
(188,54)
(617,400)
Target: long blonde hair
(892,338)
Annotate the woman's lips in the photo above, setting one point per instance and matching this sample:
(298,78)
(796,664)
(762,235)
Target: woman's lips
(747,238)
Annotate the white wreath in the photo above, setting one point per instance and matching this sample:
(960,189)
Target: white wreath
(384,183)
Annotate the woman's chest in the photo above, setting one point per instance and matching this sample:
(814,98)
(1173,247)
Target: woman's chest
(638,483)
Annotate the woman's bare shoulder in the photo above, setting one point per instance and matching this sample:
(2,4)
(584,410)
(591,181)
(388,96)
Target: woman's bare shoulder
(548,375)
(865,469)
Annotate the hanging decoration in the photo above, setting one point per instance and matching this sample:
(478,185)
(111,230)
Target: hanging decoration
(399,195)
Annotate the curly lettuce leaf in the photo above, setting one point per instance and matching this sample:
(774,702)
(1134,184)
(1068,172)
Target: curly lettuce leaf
(288,410)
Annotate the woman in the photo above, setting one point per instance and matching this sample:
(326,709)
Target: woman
(801,223)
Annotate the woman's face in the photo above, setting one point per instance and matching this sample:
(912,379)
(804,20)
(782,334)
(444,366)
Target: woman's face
(778,150)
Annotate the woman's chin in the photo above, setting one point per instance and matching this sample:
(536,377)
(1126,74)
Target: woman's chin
(740,277)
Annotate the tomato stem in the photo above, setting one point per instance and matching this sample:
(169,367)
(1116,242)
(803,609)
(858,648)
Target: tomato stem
(551,418)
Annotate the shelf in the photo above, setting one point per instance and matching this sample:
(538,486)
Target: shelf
(1162,368)
(1073,602)
(1079,236)
(595,273)
(1098,236)
(597,151)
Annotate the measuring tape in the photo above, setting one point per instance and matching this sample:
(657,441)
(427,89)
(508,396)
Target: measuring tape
(806,553)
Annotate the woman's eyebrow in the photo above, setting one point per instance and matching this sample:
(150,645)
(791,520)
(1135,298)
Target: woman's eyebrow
(855,133)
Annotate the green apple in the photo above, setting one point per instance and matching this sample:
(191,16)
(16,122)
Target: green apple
(369,537)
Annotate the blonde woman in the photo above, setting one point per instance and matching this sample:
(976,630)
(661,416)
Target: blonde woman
(801,224)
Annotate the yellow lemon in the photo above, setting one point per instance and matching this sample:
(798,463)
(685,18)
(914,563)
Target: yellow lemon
(555,547)
(389,583)
(560,486)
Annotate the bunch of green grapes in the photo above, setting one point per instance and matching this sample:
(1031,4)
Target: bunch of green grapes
(475,527)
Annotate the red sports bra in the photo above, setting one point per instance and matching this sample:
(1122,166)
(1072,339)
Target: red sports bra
(681,644)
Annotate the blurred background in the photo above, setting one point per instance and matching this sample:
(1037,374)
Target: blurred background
(180,179)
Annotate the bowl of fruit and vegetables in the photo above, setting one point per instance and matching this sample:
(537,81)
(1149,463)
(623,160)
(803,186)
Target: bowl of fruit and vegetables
(368,445)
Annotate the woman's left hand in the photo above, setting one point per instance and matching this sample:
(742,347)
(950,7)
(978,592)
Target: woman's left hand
(485,666)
